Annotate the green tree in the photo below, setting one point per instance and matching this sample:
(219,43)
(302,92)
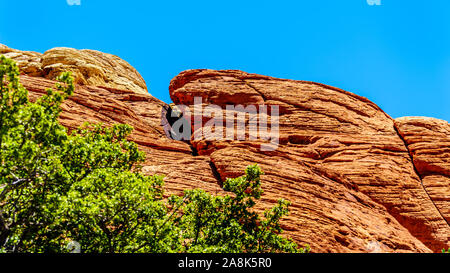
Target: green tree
(229,223)
(86,186)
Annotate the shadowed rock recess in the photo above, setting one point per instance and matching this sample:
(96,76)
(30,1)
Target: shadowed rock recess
(358,180)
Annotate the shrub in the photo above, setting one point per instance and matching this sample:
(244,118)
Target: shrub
(57,188)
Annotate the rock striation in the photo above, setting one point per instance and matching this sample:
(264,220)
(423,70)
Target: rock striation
(88,67)
(342,137)
(358,180)
(428,143)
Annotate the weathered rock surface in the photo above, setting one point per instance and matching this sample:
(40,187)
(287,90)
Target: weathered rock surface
(358,181)
(336,135)
(428,142)
(28,61)
(88,67)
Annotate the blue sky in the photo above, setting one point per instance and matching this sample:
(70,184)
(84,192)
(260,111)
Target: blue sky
(396,54)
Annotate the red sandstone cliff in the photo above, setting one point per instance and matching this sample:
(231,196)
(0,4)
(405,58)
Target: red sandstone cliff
(358,180)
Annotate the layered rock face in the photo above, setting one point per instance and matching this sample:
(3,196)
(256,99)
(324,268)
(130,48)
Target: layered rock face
(357,180)
(333,145)
(428,143)
(88,67)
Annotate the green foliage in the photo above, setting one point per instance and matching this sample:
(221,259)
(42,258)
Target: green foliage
(228,223)
(30,140)
(445,251)
(86,186)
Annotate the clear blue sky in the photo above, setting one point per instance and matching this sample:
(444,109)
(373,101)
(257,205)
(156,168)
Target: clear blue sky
(396,54)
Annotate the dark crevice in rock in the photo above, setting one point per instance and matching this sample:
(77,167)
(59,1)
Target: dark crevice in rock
(193,149)
(169,116)
(216,173)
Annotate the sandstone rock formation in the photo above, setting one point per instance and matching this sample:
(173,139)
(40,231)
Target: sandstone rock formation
(341,136)
(358,180)
(428,142)
(28,61)
(88,67)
